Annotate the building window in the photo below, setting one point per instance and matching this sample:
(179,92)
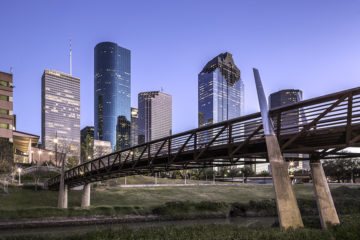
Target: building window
(3,83)
(4,98)
(4,125)
(4,111)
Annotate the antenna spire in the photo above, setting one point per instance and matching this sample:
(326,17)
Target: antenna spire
(70,58)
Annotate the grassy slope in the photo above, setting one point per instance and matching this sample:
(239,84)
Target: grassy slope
(21,201)
(146,197)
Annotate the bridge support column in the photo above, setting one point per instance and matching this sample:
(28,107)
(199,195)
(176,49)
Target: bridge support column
(65,199)
(323,196)
(63,196)
(85,198)
(287,207)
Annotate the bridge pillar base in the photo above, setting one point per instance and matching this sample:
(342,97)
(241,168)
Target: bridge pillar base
(63,196)
(65,199)
(287,207)
(85,198)
(324,200)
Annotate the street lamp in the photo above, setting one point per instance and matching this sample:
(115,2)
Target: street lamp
(19,171)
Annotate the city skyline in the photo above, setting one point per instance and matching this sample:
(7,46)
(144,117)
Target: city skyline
(311,34)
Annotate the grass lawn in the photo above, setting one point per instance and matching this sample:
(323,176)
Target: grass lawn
(20,201)
(145,197)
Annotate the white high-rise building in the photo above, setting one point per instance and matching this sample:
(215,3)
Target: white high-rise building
(60,112)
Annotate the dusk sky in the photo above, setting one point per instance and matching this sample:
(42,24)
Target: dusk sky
(309,45)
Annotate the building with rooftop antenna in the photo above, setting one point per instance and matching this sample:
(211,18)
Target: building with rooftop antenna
(60,110)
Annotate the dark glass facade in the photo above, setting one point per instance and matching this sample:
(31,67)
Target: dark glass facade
(123,132)
(285,97)
(112,83)
(290,119)
(220,91)
(88,130)
(134,127)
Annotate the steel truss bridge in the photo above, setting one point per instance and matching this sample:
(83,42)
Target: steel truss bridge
(317,128)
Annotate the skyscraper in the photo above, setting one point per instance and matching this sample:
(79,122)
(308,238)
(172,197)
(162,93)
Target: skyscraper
(289,119)
(88,130)
(284,97)
(134,127)
(6,106)
(112,78)
(220,91)
(155,115)
(60,110)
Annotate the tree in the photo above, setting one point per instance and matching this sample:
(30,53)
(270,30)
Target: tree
(6,161)
(86,149)
(37,174)
(234,172)
(263,173)
(247,172)
(71,162)
(342,168)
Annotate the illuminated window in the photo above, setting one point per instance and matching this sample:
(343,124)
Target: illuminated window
(4,125)
(3,83)
(4,111)
(4,98)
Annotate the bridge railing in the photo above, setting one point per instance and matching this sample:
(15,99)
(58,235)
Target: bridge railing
(327,112)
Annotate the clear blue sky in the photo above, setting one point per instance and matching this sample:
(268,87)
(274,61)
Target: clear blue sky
(310,45)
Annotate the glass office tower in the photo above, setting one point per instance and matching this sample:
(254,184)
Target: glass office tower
(112,78)
(290,119)
(220,91)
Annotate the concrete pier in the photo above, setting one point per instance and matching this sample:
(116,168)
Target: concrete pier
(85,199)
(287,207)
(324,200)
(61,191)
(65,199)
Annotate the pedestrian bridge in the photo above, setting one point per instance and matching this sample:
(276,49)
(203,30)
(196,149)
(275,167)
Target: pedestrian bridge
(310,129)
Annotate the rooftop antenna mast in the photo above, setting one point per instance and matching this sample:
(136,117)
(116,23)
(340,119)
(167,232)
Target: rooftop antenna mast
(70,58)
